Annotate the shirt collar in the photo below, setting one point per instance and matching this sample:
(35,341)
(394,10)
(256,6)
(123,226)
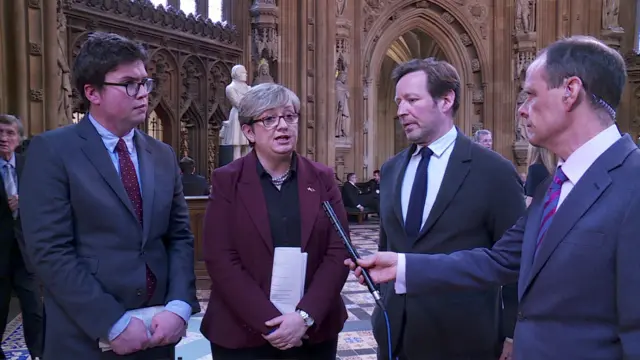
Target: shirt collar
(580,160)
(110,140)
(292,169)
(441,144)
(12,161)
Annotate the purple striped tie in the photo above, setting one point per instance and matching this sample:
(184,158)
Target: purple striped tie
(550,204)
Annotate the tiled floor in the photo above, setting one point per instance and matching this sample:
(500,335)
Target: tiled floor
(356,341)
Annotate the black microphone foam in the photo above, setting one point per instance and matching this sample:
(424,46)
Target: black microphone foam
(353,253)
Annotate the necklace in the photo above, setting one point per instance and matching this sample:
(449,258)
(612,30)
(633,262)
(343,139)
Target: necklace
(278,181)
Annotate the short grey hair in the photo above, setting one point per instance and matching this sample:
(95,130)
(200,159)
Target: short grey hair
(476,136)
(7,119)
(265,97)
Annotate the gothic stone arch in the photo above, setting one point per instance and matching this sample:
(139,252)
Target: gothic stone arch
(451,28)
(180,46)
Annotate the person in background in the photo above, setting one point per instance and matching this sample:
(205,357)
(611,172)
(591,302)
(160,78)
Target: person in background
(268,199)
(541,163)
(16,273)
(105,222)
(354,199)
(483,138)
(192,183)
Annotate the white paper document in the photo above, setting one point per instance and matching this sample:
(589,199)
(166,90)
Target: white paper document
(287,278)
(144,314)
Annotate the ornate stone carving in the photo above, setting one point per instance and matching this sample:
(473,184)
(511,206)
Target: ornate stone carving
(466,40)
(35,49)
(36,95)
(265,41)
(526,16)
(35,4)
(448,18)
(232,133)
(264,75)
(167,18)
(475,65)
(610,11)
(477,96)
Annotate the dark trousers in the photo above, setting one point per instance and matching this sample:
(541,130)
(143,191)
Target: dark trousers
(25,285)
(323,351)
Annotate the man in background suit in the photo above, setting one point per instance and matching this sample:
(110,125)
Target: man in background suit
(15,273)
(192,183)
(105,222)
(353,197)
(442,194)
(576,250)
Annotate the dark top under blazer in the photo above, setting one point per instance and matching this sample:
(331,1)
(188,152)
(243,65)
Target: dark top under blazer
(238,252)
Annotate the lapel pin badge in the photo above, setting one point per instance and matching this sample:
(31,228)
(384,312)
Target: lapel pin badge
(311,189)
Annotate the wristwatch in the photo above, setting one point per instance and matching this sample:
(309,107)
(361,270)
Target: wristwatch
(308,320)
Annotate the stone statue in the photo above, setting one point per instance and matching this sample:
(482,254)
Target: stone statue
(526,16)
(521,131)
(343,117)
(610,10)
(232,133)
(264,75)
(65,108)
(340,5)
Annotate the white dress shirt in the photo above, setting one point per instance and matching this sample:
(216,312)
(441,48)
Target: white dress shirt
(574,167)
(442,149)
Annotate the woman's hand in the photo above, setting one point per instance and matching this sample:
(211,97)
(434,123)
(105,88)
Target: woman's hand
(291,329)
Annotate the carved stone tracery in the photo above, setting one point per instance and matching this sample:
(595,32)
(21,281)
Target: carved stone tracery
(189,59)
(264,35)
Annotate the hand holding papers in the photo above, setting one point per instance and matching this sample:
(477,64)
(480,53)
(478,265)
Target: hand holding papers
(288,278)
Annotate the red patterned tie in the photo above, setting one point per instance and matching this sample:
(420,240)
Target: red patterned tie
(132,187)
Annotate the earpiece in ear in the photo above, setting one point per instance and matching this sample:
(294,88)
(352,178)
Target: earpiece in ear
(567,93)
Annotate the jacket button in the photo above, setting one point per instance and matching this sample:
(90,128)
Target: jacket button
(139,293)
(521,316)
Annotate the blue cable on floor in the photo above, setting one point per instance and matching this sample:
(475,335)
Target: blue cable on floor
(386,320)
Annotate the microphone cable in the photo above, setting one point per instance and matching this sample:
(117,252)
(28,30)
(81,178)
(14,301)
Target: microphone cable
(353,254)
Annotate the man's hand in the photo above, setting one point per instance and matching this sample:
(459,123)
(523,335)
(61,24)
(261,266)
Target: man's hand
(381,266)
(13,203)
(133,339)
(507,350)
(291,329)
(166,328)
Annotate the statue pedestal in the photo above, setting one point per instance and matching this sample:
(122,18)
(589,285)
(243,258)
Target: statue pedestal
(520,152)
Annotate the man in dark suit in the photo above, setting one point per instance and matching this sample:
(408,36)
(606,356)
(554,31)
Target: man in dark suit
(105,222)
(354,199)
(192,183)
(15,273)
(442,194)
(576,249)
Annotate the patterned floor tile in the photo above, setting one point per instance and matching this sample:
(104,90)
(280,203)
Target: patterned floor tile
(352,345)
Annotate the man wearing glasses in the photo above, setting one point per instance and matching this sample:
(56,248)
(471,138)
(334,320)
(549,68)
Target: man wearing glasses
(105,222)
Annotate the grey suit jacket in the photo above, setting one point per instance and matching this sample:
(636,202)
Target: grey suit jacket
(86,244)
(481,197)
(579,296)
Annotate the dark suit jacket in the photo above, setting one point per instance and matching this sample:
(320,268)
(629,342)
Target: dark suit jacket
(238,252)
(9,228)
(194,185)
(83,237)
(350,195)
(579,295)
(479,199)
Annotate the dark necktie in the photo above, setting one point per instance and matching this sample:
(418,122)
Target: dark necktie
(415,210)
(132,187)
(10,186)
(550,204)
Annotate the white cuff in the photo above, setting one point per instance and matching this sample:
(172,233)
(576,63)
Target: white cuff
(401,279)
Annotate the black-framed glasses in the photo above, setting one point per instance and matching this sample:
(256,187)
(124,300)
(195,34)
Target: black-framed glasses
(133,88)
(269,122)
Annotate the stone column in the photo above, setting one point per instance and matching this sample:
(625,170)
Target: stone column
(503,114)
(18,102)
(51,79)
(612,33)
(343,141)
(526,44)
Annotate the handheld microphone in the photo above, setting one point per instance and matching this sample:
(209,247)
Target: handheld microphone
(353,253)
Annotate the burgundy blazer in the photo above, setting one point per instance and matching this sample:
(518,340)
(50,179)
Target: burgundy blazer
(238,252)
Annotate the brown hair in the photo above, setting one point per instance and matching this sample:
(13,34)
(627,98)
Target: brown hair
(442,78)
(539,155)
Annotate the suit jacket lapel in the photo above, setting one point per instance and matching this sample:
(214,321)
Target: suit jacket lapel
(455,173)
(145,162)
(309,189)
(583,195)
(252,197)
(401,167)
(98,155)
